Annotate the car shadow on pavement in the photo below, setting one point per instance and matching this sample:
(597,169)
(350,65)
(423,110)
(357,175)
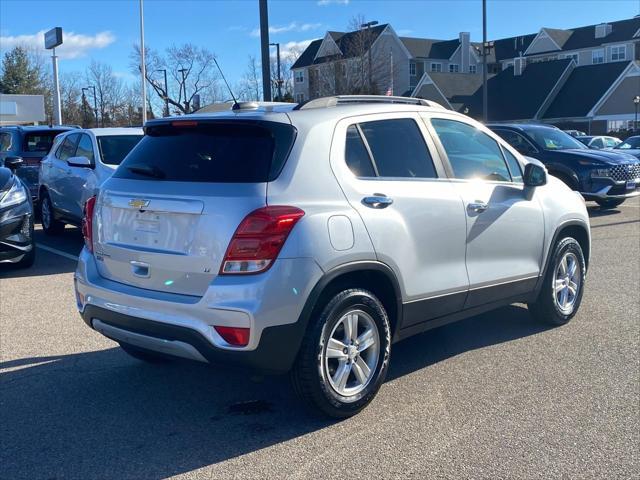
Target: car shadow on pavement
(600,212)
(103,414)
(46,263)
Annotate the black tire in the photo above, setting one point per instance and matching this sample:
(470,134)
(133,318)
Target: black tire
(546,308)
(567,180)
(50,224)
(309,375)
(143,354)
(612,203)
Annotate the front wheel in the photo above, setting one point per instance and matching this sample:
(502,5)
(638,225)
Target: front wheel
(563,284)
(344,356)
(612,203)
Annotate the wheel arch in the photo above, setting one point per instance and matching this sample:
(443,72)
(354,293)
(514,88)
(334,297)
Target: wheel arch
(565,174)
(575,229)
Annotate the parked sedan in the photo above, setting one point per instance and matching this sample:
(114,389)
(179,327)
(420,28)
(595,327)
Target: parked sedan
(608,177)
(631,146)
(599,142)
(77,164)
(16,218)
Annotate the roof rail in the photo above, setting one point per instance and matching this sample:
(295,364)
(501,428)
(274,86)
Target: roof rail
(333,101)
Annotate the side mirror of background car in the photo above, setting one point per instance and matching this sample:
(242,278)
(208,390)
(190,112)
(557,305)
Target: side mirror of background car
(534,175)
(79,162)
(12,163)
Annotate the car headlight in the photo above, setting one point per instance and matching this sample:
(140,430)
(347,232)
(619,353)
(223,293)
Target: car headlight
(601,172)
(14,196)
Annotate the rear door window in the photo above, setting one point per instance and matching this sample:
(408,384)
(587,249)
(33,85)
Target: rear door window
(85,148)
(214,151)
(356,154)
(68,147)
(40,141)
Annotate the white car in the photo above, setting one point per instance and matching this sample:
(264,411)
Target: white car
(78,162)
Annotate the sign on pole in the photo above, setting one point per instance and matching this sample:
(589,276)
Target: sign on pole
(53,39)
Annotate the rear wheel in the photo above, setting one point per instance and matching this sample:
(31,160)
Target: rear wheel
(612,203)
(344,356)
(50,225)
(143,354)
(562,287)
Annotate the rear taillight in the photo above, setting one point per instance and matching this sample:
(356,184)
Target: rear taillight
(259,239)
(87,223)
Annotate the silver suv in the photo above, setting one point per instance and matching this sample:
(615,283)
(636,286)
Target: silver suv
(310,238)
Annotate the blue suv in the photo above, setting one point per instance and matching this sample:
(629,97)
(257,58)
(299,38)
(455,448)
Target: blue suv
(608,177)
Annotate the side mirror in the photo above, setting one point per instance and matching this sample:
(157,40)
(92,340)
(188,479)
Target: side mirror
(79,162)
(534,175)
(12,163)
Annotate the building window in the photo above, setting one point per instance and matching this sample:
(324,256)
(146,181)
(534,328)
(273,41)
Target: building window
(299,76)
(300,97)
(508,65)
(412,69)
(436,67)
(574,57)
(618,52)
(473,69)
(344,69)
(454,68)
(597,56)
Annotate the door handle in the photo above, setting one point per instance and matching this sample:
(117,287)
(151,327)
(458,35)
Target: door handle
(377,200)
(478,206)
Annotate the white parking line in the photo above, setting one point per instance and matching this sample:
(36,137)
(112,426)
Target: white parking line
(57,252)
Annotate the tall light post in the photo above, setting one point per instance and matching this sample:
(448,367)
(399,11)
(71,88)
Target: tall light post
(184,83)
(84,107)
(264,50)
(95,100)
(485,94)
(636,102)
(143,67)
(166,91)
(279,80)
(367,26)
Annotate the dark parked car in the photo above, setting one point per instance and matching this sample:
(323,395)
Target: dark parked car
(16,218)
(608,177)
(30,144)
(631,146)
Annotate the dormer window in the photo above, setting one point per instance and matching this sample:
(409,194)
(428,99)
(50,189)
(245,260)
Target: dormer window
(603,30)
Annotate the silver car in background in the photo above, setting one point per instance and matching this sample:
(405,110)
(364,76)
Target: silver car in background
(78,162)
(309,238)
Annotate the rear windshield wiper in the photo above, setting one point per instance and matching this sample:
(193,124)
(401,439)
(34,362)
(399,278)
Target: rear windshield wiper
(147,170)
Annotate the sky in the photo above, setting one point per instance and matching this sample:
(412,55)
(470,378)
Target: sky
(107,30)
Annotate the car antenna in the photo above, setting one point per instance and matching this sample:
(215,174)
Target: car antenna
(235,102)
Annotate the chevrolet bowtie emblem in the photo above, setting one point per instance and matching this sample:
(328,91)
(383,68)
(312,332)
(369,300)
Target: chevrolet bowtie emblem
(139,203)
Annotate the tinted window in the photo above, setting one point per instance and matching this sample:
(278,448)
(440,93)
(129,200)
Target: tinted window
(514,166)
(232,152)
(471,153)
(631,142)
(356,154)
(114,148)
(68,147)
(517,141)
(398,148)
(597,143)
(553,139)
(6,142)
(40,141)
(85,148)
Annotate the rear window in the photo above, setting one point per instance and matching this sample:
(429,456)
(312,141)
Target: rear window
(40,141)
(114,148)
(216,152)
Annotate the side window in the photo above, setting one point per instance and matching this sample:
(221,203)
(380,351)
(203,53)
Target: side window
(514,166)
(68,147)
(597,143)
(471,152)
(398,149)
(356,154)
(85,148)
(6,142)
(517,141)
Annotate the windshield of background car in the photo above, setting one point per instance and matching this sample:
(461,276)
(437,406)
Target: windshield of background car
(40,141)
(552,139)
(225,152)
(113,148)
(631,142)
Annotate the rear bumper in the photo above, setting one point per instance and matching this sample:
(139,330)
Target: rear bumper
(269,304)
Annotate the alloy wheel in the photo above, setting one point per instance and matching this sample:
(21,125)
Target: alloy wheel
(567,282)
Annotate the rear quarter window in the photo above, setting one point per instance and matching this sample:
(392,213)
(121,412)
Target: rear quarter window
(212,152)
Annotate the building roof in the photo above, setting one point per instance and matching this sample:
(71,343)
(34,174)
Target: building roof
(511,47)
(306,58)
(458,89)
(430,48)
(582,90)
(558,35)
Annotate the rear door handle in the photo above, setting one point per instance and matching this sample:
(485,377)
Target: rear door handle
(478,206)
(377,200)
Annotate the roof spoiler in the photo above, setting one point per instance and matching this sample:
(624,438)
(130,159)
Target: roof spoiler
(336,100)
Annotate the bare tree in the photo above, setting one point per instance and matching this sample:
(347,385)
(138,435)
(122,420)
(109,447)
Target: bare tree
(251,82)
(190,70)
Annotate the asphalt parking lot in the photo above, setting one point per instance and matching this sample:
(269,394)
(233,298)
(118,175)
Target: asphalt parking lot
(494,396)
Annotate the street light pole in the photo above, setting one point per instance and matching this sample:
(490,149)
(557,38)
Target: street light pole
(264,50)
(636,101)
(84,107)
(368,26)
(485,94)
(279,80)
(143,67)
(95,102)
(184,83)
